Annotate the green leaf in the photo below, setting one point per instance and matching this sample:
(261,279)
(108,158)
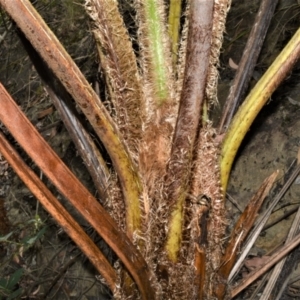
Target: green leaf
(15,294)
(3,283)
(15,278)
(5,237)
(29,241)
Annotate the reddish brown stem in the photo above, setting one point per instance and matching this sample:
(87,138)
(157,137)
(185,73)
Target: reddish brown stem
(85,145)
(200,263)
(59,213)
(60,62)
(48,161)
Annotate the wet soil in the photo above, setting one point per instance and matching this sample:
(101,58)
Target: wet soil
(53,266)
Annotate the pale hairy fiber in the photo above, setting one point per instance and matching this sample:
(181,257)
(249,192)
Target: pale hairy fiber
(161,105)
(206,181)
(119,64)
(221,8)
(154,43)
(182,54)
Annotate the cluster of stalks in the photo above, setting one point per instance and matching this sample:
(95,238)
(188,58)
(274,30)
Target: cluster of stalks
(163,209)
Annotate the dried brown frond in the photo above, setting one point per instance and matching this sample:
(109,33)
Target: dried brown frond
(240,232)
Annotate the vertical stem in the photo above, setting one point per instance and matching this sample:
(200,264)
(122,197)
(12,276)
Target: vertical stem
(153,41)
(156,49)
(198,49)
(119,65)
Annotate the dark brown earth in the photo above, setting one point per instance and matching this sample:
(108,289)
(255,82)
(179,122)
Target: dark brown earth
(274,139)
(53,265)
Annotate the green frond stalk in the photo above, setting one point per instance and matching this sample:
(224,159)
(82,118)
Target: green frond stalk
(155,54)
(156,48)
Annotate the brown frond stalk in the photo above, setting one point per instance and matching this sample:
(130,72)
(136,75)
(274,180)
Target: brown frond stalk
(42,38)
(52,166)
(59,213)
(179,167)
(200,264)
(199,235)
(61,100)
(206,181)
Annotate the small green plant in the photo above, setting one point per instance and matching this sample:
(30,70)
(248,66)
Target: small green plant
(9,288)
(36,228)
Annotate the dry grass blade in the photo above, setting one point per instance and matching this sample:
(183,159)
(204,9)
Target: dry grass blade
(51,165)
(45,42)
(260,224)
(240,232)
(59,213)
(269,264)
(273,278)
(277,269)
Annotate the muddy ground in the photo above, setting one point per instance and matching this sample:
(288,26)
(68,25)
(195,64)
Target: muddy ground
(53,265)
